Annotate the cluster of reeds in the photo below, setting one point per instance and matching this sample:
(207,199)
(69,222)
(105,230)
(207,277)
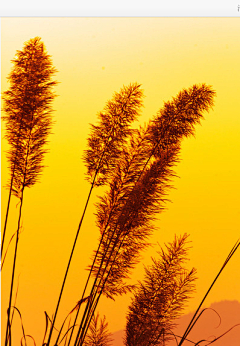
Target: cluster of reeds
(134,165)
(136,193)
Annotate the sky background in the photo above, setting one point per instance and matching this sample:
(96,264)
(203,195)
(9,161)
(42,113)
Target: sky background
(95,57)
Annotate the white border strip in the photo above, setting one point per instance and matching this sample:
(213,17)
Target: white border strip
(120,8)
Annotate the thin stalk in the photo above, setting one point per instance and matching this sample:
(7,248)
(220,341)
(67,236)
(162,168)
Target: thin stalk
(95,287)
(86,312)
(74,244)
(61,329)
(69,262)
(75,241)
(8,329)
(85,330)
(65,343)
(17,236)
(192,322)
(89,275)
(4,257)
(89,313)
(88,321)
(6,217)
(14,305)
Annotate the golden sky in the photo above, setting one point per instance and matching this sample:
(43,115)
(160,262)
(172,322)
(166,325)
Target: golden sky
(95,57)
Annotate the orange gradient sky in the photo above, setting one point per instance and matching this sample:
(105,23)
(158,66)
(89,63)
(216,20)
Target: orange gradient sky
(95,57)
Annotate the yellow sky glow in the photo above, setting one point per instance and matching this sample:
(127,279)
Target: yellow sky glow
(95,57)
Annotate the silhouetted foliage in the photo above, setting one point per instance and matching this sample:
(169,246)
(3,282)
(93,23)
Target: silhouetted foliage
(98,334)
(136,192)
(160,297)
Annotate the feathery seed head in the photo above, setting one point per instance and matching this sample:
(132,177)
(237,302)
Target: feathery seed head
(27,105)
(109,136)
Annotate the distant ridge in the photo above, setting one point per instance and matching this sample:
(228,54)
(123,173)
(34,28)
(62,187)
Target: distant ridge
(207,326)
(118,338)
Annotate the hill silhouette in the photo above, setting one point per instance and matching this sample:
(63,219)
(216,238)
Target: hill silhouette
(209,326)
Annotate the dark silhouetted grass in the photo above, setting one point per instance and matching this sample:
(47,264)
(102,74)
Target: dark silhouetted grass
(27,105)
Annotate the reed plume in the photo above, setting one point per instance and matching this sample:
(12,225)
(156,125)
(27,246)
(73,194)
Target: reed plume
(98,334)
(160,298)
(104,148)
(109,136)
(137,192)
(27,105)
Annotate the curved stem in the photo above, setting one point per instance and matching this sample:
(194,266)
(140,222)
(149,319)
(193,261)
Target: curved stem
(192,322)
